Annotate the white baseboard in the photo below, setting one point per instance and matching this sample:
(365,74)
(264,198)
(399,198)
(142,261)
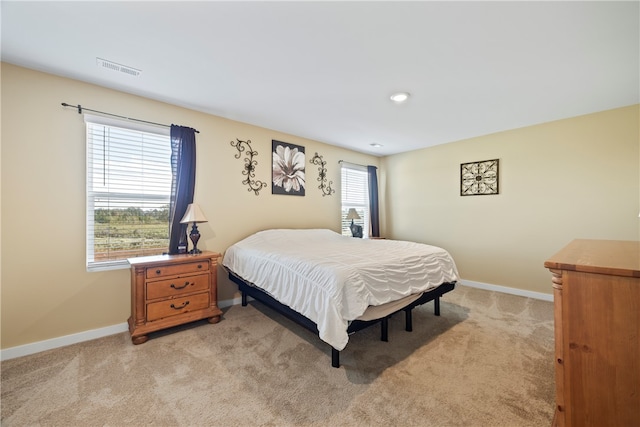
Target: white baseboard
(507,290)
(229,302)
(37,347)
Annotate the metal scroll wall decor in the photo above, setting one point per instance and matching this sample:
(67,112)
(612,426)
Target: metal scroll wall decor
(322,175)
(249,165)
(479,178)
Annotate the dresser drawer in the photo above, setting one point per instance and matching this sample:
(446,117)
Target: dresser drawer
(177,286)
(176,269)
(172,307)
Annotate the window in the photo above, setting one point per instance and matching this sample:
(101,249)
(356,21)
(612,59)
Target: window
(128,191)
(355,194)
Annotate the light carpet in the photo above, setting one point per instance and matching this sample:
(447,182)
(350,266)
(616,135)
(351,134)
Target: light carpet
(486,361)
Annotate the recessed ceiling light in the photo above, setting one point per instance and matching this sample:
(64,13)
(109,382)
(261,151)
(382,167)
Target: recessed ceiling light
(400,97)
(376,145)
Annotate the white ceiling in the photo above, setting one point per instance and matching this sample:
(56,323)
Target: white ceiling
(325,70)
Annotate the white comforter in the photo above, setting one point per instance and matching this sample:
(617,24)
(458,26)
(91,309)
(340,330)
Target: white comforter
(332,279)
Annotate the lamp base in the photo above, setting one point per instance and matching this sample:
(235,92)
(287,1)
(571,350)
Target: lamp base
(195,236)
(356,230)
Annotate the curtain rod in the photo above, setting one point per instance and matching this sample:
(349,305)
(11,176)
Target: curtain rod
(350,163)
(80,108)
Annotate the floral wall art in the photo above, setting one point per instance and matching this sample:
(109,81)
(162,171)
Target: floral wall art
(288,168)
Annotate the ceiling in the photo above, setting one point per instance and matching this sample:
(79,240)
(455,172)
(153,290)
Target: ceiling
(325,70)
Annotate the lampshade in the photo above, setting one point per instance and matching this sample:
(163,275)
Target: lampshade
(193,214)
(353,214)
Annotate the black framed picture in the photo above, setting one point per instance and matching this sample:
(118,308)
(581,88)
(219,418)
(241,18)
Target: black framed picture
(288,168)
(479,178)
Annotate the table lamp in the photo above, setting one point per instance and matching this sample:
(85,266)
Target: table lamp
(194,214)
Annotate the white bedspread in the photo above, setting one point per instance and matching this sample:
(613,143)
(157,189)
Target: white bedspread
(332,279)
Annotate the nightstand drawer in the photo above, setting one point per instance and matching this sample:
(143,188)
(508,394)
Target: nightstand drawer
(176,269)
(177,286)
(172,307)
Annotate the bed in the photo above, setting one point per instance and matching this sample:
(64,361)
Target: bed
(335,285)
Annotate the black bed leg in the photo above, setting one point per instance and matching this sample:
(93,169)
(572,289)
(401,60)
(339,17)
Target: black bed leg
(408,323)
(244,299)
(384,333)
(436,305)
(335,358)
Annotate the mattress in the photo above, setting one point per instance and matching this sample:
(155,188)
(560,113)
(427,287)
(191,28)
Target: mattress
(332,279)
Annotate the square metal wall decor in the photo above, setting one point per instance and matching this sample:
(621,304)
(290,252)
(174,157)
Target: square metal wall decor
(288,168)
(479,178)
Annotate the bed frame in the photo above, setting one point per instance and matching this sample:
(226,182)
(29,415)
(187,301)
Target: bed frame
(248,289)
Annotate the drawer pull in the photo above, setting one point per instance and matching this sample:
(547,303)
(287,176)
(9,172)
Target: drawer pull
(158,271)
(186,303)
(180,287)
(199,265)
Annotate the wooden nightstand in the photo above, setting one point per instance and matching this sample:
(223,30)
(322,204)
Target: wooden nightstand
(170,290)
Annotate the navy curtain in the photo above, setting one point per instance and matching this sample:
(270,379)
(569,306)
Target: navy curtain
(373,201)
(183,168)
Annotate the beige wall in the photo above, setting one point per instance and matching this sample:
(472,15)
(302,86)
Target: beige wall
(46,291)
(558,181)
(574,178)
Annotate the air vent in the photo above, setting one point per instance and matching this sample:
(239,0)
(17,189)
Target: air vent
(110,65)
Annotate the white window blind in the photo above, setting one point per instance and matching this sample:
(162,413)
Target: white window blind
(355,194)
(128,191)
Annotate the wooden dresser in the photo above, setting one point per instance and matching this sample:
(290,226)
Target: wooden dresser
(596,287)
(169,290)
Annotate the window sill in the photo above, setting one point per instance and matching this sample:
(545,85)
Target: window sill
(108,265)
